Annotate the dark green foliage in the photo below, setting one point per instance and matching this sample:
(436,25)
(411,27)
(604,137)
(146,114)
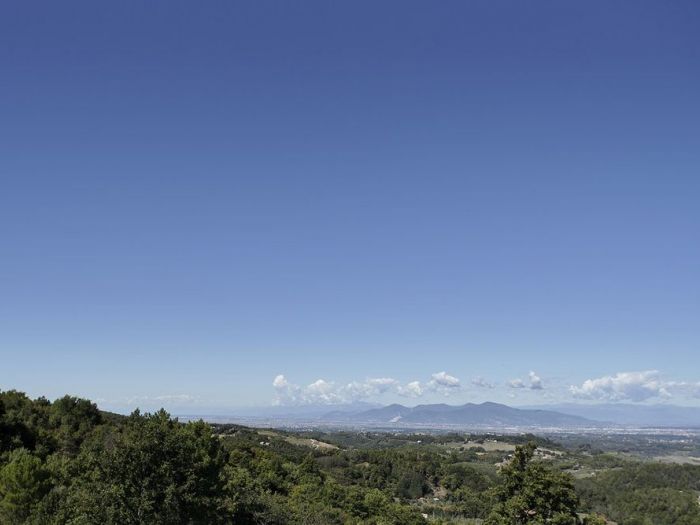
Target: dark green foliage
(68,463)
(23,483)
(44,427)
(151,469)
(468,489)
(411,486)
(72,419)
(18,421)
(65,462)
(530,492)
(647,494)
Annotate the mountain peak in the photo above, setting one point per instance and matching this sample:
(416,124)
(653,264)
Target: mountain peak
(488,414)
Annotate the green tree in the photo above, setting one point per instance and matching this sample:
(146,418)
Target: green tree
(72,419)
(152,470)
(411,486)
(531,493)
(23,483)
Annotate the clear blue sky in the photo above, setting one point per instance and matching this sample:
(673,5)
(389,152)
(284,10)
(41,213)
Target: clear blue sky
(197,197)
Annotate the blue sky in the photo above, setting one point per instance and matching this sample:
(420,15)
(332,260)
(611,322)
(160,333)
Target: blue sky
(197,199)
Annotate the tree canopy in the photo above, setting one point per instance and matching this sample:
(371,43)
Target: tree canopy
(66,462)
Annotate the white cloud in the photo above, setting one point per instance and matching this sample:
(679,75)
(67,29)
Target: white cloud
(696,390)
(625,386)
(358,390)
(382,382)
(682,388)
(482,383)
(280,381)
(180,398)
(322,391)
(326,392)
(412,389)
(442,381)
(153,402)
(286,393)
(534,382)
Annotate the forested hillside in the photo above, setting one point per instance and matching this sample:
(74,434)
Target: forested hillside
(65,462)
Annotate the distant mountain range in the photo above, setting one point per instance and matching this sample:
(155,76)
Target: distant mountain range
(627,414)
(483,415)
(476,415)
